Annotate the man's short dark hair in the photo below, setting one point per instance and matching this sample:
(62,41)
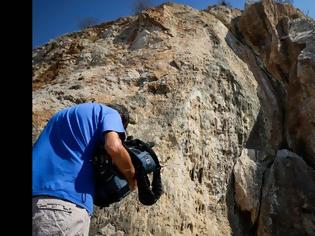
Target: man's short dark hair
(123,111)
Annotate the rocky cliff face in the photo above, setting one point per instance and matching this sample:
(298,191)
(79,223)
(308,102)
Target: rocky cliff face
(227,96)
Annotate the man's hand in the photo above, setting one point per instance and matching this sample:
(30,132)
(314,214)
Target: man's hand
(132,182)
(120,157)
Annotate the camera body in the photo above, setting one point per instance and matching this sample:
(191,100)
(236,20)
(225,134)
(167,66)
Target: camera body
(110,187)
(110,184)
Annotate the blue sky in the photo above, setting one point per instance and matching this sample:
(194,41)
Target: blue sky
(52,18)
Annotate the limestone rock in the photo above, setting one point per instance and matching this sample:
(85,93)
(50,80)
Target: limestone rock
(284,40)
(287,206)
(207,87)
(225,14)
(248,175)
(110,231)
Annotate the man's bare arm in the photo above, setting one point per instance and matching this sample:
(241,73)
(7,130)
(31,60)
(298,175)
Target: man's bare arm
(120,157)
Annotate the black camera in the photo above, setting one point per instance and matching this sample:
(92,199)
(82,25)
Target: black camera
(110,184)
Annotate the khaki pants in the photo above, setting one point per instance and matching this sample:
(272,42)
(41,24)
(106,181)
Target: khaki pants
(52,216)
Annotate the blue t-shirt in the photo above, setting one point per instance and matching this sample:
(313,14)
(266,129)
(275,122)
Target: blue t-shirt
(62,155)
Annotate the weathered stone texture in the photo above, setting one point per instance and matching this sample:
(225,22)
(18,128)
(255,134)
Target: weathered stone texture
(219,91)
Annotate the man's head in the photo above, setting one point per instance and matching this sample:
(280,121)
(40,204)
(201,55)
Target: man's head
(123,111)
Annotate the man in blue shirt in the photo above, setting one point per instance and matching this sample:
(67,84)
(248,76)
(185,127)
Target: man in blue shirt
(62,171)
